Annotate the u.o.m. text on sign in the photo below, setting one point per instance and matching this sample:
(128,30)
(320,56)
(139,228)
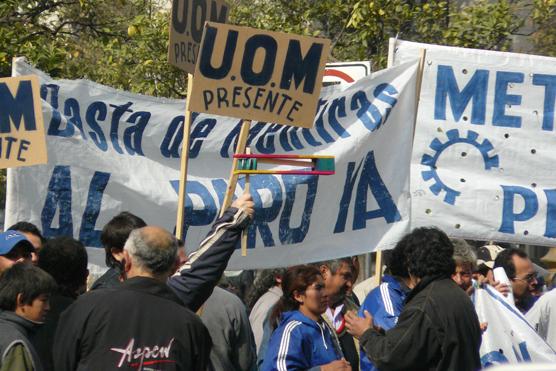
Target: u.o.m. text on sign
(22,138)
(259,75)
(186,29)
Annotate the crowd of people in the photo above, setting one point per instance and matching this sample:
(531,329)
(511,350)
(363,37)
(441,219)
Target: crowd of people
(157,309)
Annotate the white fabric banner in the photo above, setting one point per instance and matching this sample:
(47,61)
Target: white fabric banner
(509,338)
(482,164)
(111,151)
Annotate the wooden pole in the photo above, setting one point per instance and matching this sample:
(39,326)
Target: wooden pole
(240,149)
(378,267)
(247,188)
(184,161)
(422,56)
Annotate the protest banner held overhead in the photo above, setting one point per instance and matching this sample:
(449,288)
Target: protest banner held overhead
(484,143)
(259,75)
(112,151)
(186,29)
(22,138)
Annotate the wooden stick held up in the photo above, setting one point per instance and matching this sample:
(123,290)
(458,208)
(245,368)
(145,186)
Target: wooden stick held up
(184,161)
(240,149)
(247,189)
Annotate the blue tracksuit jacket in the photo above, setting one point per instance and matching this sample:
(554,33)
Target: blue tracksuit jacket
(385,304)
(299,343)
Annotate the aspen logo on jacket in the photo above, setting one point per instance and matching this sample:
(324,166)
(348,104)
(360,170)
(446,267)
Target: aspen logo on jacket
(143,356)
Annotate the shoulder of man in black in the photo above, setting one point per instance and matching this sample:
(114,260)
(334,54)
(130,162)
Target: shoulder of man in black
(110,279)
(438,316)
(131,314)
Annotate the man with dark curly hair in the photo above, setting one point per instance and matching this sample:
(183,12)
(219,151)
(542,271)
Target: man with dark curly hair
(438,328)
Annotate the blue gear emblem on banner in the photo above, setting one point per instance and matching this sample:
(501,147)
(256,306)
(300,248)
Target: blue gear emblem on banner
(438,147)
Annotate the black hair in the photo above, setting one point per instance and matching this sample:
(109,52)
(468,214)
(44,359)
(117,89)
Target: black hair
(115,233)
(27,228)
(505,260)
(24,279)
(297,279)
(428,252)
(483,269)
(395,260)
(241,283)
(65,259)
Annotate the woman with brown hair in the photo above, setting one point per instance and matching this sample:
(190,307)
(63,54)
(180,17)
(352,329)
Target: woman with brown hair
(302,340)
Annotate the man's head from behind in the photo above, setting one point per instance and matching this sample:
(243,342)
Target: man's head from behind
(115,234)
(65,259)
(428,252)
(338,275)
(25,290)
(395,260)
(150,252)
(14,248)
(520,271)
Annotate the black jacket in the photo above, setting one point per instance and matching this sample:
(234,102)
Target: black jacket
(140,325)
(109,280)
(438,329)
(195,280)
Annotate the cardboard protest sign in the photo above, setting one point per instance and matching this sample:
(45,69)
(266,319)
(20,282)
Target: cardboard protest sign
(259,75)
(186,29)
(22,141)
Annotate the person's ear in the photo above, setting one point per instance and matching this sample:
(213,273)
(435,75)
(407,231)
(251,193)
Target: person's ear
(19,300)
(127,261)
(19,305)
(176,266)
(297,296)
(324,270)
(117,253)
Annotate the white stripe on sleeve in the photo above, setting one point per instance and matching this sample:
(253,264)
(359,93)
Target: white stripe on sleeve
(385,293)
(284,345)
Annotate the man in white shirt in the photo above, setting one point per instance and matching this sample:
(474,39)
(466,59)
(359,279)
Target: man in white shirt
(543,317)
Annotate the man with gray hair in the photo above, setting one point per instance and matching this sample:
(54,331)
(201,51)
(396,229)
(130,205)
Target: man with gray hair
(338,276)
(466,262)
(140,324)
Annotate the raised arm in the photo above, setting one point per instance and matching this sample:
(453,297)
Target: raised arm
(195,280)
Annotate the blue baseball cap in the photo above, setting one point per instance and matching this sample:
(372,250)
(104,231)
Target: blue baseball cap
(11,239)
